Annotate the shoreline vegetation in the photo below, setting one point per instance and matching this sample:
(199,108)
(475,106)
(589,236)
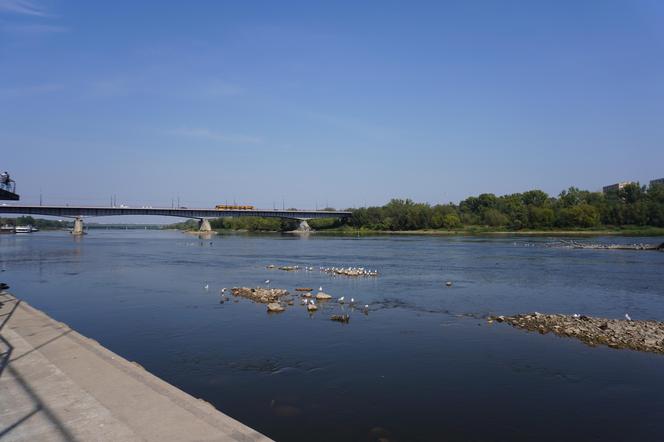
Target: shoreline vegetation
(481,230)
(633,210)
(40,223)
(471,231)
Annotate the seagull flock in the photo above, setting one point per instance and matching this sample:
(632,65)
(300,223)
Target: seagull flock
(309,303)
(349,271)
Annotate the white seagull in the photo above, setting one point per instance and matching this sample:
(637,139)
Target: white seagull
(207,286)
(627,317)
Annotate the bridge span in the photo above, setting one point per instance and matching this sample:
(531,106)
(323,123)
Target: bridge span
(202,214)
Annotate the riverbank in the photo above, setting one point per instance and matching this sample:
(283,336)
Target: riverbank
(477,230)
(471,231)
(56,384)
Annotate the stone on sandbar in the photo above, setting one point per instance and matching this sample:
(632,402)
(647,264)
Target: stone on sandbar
(275,307)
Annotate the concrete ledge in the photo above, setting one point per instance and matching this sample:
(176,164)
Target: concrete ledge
(56,384)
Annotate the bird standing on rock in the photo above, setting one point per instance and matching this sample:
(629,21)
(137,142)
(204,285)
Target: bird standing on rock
(627,317)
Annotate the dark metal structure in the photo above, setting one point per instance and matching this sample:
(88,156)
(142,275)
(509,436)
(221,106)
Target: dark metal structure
(92,211)
(6,195)
(7,187)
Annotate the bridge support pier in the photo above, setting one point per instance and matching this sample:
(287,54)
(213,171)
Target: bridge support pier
(304,226)
(78,227)
(204,225)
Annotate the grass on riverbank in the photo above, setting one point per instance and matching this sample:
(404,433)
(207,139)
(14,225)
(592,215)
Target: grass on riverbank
(469,231)
(485,230)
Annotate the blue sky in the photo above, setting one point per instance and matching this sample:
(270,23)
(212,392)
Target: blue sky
(337,103)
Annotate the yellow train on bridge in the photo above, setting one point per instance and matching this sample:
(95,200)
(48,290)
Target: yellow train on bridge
(233,207)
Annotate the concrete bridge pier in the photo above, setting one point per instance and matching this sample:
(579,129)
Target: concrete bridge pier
(78,226)
(304,226)
(204,225)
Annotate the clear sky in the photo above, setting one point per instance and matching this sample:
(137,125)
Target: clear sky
(319,103)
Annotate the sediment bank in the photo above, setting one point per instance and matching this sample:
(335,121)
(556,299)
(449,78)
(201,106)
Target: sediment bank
(595,246)
(645,336)
(260,294)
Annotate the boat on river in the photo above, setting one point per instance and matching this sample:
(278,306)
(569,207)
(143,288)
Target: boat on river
(7,229)
(25,229)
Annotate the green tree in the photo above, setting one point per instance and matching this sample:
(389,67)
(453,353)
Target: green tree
(494,218)
(582,215)
(451,220)
(541,217)
(535,198)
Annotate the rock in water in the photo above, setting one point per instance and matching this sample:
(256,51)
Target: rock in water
(260,294)
(340,318)
(312,307)
(323,296)
(275,307)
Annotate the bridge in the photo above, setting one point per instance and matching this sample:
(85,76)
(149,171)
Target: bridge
(203,214)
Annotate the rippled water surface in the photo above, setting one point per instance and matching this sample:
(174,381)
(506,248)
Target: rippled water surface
(421,366)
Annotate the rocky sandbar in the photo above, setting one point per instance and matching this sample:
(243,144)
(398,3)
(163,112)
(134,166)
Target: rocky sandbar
(260,294)
(616,333)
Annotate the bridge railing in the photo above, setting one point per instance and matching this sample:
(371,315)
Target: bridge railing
(78,211)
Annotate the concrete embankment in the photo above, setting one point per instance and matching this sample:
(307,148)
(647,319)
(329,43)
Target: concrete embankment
(56,384)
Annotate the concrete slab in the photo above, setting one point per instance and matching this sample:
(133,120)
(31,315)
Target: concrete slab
(57,385)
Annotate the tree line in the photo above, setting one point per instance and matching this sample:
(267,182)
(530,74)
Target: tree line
(42,224)
(633,205)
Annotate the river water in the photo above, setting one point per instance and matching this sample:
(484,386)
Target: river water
(420,366)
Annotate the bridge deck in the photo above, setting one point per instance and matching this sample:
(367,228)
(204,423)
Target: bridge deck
(76,211)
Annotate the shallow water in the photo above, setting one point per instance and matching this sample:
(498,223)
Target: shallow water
(421,366)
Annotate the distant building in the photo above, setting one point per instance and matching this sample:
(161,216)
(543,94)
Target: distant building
(657,181)
(616,187)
